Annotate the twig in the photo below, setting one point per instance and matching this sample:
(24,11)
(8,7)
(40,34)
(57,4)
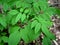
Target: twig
(55,42)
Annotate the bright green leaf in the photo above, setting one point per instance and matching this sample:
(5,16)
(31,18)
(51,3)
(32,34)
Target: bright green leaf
(13,20)
(14,38)
(24,35)
(37,27)
(21,10)
(13,12)
(3,22)
(18,5)
(33,24)
(16,18)
(13,29)
(23,17)
(5,6)
(26,11)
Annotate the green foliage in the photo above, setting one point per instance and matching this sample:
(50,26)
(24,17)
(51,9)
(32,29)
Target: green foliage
(46,41)
(26,20)
(3,21)
(14,38)
(5,39)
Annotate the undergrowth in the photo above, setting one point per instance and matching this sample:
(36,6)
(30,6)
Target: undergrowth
(26,20)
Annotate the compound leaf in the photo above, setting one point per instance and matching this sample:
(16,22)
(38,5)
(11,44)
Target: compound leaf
(47,32)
